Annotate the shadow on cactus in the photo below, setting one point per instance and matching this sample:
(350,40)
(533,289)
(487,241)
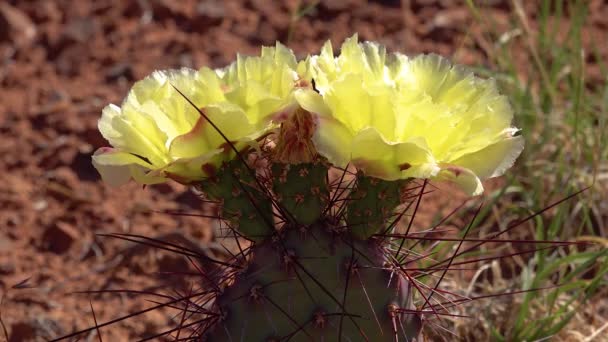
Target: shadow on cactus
(316,165)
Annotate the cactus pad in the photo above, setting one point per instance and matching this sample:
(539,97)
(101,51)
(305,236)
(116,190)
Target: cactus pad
(315,284)
(302,190)
(244,204)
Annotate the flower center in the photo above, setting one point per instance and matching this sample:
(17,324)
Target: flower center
(295,139)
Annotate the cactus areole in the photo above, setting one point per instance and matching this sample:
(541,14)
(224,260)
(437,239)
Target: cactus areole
(309,161)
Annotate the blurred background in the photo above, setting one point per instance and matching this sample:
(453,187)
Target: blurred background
(61,62)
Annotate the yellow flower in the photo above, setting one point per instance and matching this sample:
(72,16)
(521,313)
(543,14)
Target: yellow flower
(157,134)
(397,118)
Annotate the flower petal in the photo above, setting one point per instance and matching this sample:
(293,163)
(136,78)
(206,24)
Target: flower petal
(140,135)
(191,144)
(493,160)
(262,85)
(332,140)
(203,137)
(105,124)
(390,161)
(426,74)
(117,167)
(312,102)
(189,170)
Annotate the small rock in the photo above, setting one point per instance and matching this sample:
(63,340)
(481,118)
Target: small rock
(80,29)
(40,205)
(7,268)
(16,25)
(22,331)
(339,6)
(119,70)
(6,244)
(211,9)
(59,237)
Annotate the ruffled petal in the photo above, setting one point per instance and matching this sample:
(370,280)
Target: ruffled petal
(117,167)
(105,126)
(426,74)
(323,68)
(493,160)
(261,85)
(312,102)
(140,135)
(332,140)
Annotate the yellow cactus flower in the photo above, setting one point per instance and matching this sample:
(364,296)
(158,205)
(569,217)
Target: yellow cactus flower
(395,118)
(157,134)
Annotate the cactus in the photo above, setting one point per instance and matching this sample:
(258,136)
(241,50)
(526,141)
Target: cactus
(314,278)
(323,263)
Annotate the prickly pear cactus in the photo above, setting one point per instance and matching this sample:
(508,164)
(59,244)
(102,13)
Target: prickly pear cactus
(318,273)
(323,262)
(313,278)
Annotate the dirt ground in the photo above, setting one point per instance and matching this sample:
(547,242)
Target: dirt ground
(61,62)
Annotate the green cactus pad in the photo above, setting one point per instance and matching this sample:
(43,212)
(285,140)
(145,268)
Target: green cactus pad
(245,207)
(371,204)
(302,190)
(315,285)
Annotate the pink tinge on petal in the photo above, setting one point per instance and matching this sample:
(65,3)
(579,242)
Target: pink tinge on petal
(456,170)
(192,143)
(189,170)
(104,150)
(282,115)
(303,83)
(197,129)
